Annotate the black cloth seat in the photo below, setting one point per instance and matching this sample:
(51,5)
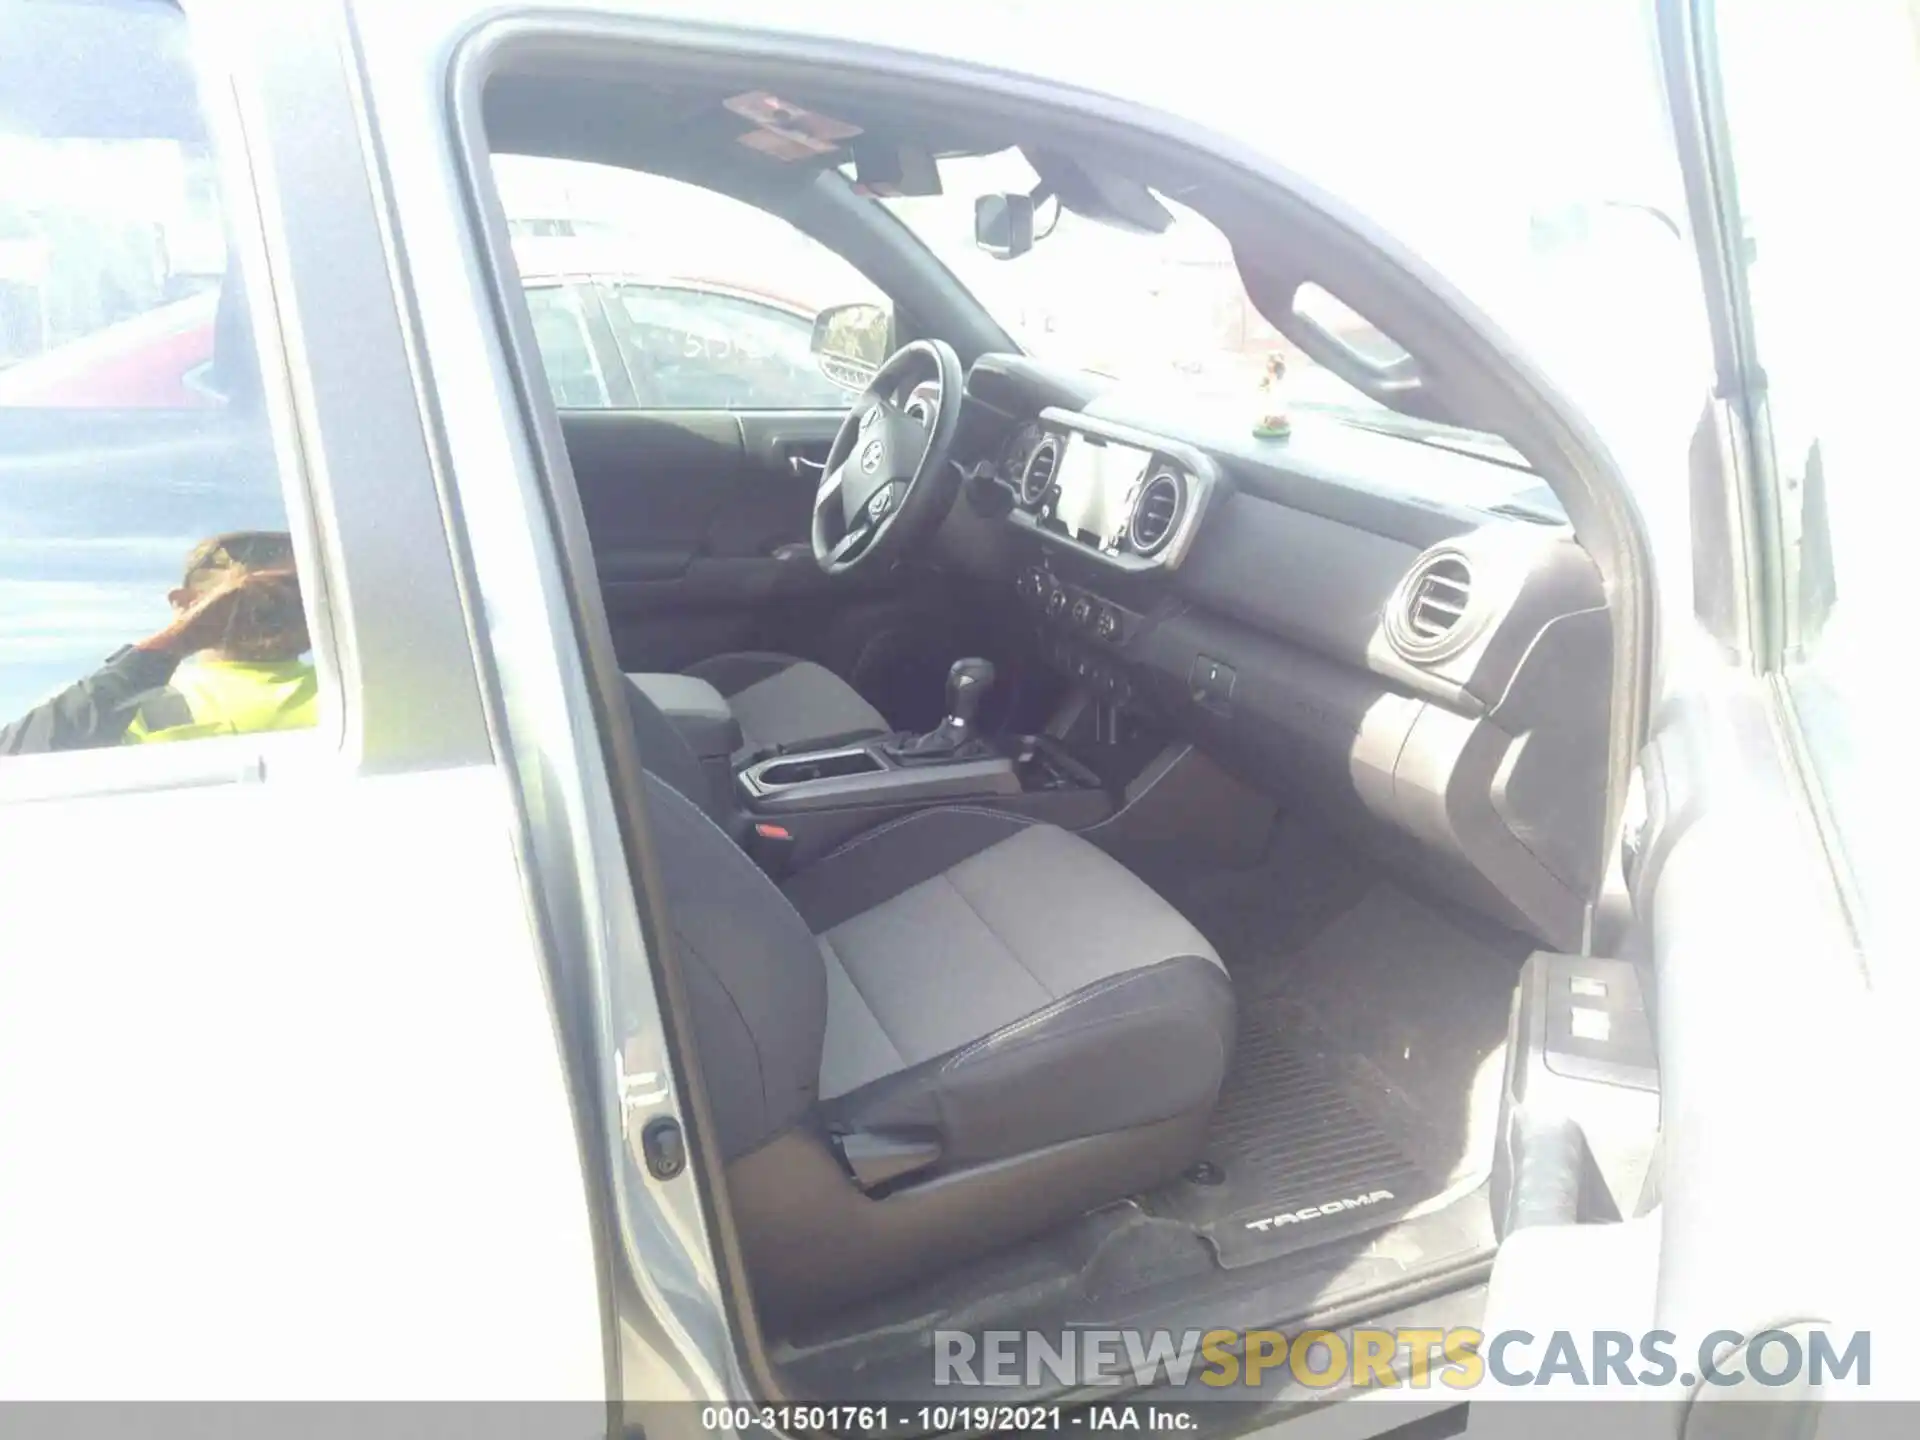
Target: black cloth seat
(997,997)
(1006,985)
(785,703)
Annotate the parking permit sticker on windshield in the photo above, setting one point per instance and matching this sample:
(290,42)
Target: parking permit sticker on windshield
(787,131)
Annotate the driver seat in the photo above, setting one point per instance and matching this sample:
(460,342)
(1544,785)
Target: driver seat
(784,703)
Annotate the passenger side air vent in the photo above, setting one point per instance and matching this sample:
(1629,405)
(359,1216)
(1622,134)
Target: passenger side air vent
(1156,513)
(1431,614)
(1037,478)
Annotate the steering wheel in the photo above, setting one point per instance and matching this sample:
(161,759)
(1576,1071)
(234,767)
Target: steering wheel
(888,479)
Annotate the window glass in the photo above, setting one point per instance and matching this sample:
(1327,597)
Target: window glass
(712,301)
(1830,215)
(566,347)
(695,349)
(147,583)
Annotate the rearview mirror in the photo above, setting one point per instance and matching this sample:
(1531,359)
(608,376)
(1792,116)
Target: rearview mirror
(1003,224)
(851,342)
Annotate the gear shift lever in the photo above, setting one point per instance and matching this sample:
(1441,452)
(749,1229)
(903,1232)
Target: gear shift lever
(967,685)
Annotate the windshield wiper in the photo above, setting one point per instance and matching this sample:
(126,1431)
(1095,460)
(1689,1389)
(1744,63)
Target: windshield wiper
(1404,427)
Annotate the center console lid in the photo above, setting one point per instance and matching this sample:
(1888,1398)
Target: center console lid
(698,711)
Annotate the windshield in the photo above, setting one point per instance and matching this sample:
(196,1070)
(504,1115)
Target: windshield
(1165,309)
(1136,307)
(1521,149)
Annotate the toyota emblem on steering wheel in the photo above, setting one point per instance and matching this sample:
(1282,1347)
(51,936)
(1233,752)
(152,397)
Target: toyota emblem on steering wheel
(870,456)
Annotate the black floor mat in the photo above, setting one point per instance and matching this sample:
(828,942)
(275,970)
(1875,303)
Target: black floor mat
(1366,1068)
(1291,1162)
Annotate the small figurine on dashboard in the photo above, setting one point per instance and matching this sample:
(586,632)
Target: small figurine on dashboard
(1274,422)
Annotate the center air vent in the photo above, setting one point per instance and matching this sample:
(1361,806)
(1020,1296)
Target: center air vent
(1430,615)
(1156,513)
(1037,478)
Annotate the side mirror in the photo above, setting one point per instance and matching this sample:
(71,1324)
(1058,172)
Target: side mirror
(1003,224)
(851,342)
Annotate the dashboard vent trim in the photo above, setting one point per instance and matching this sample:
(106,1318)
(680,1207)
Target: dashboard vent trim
(1432,614)
(1035,480)
(1156,514)
(847,374)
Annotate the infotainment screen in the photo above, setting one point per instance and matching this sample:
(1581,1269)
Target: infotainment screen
(1097,478)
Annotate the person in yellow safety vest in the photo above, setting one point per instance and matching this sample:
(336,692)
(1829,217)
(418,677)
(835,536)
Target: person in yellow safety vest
(228,663)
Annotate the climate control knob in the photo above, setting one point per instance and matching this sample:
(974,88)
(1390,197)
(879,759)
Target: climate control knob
(1083,612)
(1032,585)
(1108,625)
(1057,603)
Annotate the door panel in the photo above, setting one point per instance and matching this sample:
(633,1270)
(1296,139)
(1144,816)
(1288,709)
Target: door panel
(1773,1040)
(330,924)
(785,452)
(652,486)
(700,524)
(1776,1182)
(1764,1024)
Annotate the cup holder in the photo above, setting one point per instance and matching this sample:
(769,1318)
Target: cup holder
(804,769)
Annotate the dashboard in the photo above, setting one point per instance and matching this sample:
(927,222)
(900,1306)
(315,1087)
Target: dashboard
(1322,617)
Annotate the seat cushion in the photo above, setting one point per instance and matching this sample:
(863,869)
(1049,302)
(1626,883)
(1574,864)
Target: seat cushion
(785,703)
(1007,985)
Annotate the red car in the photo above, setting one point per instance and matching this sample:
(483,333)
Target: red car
(151,362)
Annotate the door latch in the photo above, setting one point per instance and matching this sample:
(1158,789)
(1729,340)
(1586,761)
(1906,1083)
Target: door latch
(639,1090)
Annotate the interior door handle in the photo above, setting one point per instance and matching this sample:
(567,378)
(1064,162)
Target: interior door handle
(802,466)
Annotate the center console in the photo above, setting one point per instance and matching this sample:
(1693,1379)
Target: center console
(870,774)
(1112,511)
(800,804)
